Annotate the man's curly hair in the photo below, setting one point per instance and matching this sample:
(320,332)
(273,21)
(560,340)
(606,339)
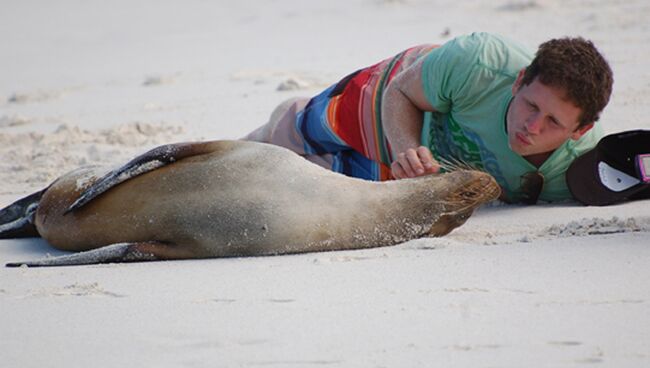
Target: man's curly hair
(576,66)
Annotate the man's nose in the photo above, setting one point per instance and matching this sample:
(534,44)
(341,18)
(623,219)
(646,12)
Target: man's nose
(534,123)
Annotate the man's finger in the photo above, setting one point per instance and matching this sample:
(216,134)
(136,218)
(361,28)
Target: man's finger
(414,162)
(397,171)
(403,160)
(429,163)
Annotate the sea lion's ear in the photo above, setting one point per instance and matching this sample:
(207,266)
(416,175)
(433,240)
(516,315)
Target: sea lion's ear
(149,161)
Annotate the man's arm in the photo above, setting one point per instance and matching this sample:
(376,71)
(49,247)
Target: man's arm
(403,107)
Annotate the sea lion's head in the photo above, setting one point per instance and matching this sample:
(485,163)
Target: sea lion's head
(467,190)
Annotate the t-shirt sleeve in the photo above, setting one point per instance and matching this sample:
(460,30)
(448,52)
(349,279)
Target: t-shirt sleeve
(446,70)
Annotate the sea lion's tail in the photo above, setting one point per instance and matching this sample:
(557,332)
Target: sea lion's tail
(17,219)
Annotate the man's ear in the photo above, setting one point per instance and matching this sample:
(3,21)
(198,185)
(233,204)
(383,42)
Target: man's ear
(517,84)
(581,131)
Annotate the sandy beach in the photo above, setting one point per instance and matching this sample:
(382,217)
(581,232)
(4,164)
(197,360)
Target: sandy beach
(554,285)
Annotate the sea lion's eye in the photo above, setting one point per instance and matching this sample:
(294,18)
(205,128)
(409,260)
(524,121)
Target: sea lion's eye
(469,194)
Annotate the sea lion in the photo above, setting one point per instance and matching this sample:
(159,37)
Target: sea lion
(234,198)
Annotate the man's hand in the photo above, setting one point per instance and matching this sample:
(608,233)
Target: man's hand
(414,162)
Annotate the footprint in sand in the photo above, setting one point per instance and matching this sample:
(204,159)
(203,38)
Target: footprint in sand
(92,289)
(159,80)
(13,120)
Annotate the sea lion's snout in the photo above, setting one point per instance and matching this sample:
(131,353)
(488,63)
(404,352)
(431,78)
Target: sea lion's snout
(471,189)
(479,188)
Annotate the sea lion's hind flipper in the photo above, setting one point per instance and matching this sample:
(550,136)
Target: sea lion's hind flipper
(151,160)
(114,253)
(17,219)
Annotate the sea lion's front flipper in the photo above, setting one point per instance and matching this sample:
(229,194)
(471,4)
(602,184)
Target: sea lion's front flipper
(17,219)
(151,160)
(114,253)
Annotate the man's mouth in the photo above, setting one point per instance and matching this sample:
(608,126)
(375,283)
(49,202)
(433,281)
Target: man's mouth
(522,138)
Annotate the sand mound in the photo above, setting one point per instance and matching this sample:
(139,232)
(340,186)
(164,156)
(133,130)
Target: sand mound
(35,159)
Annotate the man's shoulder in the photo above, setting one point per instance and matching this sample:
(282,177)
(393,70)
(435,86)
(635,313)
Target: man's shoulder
(491,51)
(489,42)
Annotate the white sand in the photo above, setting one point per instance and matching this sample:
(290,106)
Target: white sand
(97,82)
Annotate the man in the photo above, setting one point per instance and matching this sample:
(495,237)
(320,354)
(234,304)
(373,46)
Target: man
(479,101)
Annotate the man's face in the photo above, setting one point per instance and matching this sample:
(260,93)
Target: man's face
(540,119)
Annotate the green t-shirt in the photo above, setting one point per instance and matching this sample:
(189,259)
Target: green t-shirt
(469,83)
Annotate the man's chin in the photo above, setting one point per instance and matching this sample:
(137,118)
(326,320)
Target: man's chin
(526,152)
(516,147)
